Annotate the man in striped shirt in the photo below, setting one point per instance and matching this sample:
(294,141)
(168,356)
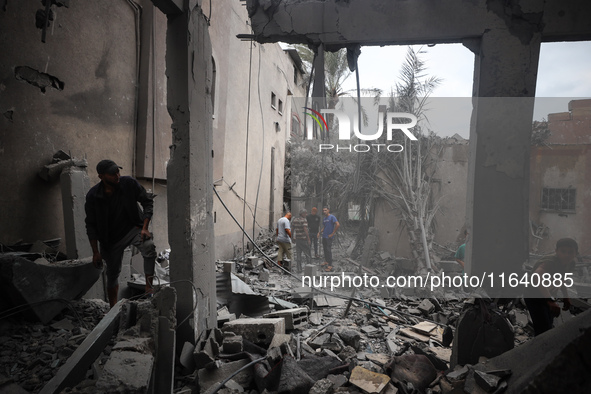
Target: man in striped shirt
(299,226)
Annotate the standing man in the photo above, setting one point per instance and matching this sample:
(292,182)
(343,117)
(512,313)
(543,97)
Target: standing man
(115,220)
(302,238)
(461,252)
(283,232)
(313,226)
(330,225)
(541,301)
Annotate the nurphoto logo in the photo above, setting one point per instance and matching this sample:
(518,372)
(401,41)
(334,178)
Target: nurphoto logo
(394,121)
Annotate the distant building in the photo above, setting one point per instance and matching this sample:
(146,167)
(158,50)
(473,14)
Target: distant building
(560,187)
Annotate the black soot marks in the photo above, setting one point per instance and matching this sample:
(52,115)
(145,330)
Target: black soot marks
(38,79)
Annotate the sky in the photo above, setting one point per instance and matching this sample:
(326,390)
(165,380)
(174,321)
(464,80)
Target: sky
(564,74)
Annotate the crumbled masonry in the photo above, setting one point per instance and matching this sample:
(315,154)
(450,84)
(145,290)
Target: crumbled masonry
(303,343)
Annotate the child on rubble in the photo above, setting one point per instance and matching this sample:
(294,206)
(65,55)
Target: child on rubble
(541,303)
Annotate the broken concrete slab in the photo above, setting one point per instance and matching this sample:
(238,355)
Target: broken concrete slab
(368,381)
(378,358)
(487,382)
(29,283)
(425,328)
(426,307)
(319,367)
(208,377)
(72,372)
(351,338)
(407,332)
(369,330)
(258,331)
(140,345)
(126,372)
(543,351)
(293,378)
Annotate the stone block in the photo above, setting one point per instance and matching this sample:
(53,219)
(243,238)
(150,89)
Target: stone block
(293,378)
(310,270)
(258,331)
(426,307)
(264,276)
(294,318)
(229,266)
(319,341)
(232,344)
(351,338)
(323,386)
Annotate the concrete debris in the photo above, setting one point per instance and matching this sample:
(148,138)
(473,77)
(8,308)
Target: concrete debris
(368,381)
(258,331)
(44,286)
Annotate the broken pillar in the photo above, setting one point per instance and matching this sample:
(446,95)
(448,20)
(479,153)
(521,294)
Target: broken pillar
(75,184)
(505,73)
(189,170)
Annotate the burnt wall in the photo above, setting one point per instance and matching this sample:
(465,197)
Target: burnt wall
(75,92)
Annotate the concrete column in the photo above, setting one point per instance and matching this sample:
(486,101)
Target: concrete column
(498,180)
(189,171)
(75,184)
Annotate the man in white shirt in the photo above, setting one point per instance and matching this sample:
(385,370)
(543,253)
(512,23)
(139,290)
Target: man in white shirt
(283,233)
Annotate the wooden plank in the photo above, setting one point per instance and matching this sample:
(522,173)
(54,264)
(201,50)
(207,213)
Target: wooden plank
(74,370)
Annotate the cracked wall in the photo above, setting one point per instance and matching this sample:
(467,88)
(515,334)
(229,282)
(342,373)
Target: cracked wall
(76,92)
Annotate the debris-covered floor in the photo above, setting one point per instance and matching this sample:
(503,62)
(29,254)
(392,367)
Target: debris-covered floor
(275,335)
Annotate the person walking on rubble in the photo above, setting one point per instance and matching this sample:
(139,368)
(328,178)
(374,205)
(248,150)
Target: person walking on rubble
(330,225)
(114,220)
(302,238)
(313,225)
(540,300)
(283,232)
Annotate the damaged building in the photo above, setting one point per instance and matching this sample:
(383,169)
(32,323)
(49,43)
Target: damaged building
(169,91)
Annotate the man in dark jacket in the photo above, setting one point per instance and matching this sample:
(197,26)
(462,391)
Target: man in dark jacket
(114,219)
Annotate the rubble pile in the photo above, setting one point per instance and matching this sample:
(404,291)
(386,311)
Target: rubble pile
(393,340)
(32,353)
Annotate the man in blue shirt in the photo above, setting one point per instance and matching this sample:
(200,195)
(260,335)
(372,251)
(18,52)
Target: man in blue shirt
(330,225)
